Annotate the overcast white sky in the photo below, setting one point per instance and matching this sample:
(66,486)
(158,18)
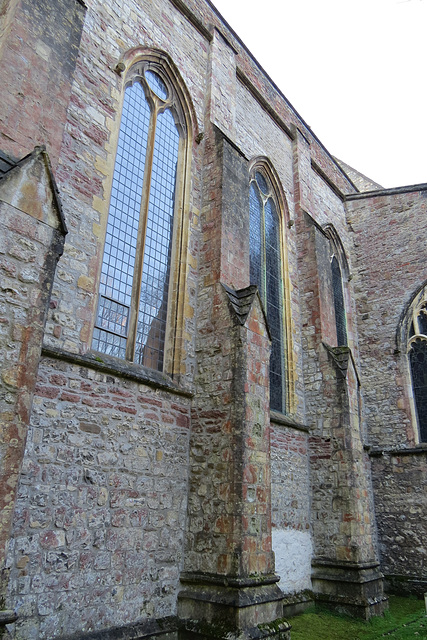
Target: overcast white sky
(355,70)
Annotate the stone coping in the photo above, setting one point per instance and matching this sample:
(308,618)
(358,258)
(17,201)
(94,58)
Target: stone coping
(120,368)
(280,418)
(377,452)
(344,564)
(393,191)
(237,582)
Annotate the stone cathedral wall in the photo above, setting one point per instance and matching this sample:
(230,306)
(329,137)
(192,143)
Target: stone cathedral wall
(114,499)
(99,520)
(388,232)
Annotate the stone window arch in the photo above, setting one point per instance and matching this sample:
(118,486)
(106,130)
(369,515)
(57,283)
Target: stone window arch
(268,270)
(141,292)
(339,270)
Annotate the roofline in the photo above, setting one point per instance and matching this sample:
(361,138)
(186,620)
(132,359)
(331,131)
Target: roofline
(386,192)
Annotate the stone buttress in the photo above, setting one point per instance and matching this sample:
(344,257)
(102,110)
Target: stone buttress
(229,582)
(32,234)
(229,585)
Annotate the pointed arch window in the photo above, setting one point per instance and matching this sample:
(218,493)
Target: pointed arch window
(339,273)
(266,272)
(417,353)
(134,290)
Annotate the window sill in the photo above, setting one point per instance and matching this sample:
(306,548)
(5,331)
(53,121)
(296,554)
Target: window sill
(121,368)
(280,418)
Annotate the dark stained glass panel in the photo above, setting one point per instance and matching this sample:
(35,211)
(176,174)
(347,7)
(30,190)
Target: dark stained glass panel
(340,319)
(255,242)
(422,320)
(266,273)
(274,304)
(418,360)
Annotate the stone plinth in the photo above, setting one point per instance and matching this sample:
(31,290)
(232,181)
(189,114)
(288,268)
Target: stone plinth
(232,608)
(351,588)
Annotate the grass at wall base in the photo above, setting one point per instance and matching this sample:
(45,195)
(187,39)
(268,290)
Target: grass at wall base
(406,618)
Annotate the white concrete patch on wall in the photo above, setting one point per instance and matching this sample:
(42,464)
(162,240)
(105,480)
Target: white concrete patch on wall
(293,550)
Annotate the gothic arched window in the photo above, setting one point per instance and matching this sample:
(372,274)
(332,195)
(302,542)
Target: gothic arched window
(339,273)
(266,273)
(417,353)
(132,314)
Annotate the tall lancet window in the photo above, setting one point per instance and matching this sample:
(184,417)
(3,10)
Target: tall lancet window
(338,293)
(417,352)
(132,314)
(266,273)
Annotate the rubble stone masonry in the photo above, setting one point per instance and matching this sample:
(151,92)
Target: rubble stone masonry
(389,230)
(132,499)
(102,502)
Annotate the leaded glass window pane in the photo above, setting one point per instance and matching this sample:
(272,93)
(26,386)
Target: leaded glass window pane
(255,242)
(266,273)
(274,303)
(157,255)
(418,360)
(118,263)
(156,84)
(262,183)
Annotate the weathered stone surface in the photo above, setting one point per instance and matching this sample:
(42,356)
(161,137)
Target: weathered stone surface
(31,241)
(389,231)
(290,485)
(131,478)
(399,479)
(103,505)
(40,46)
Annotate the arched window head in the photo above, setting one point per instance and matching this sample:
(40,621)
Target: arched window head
(134,290)
(417,354)
(266,271)
(339,268)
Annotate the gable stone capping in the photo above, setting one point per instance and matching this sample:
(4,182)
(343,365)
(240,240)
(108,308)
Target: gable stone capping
(40,153)
(341,357)
(241,302)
